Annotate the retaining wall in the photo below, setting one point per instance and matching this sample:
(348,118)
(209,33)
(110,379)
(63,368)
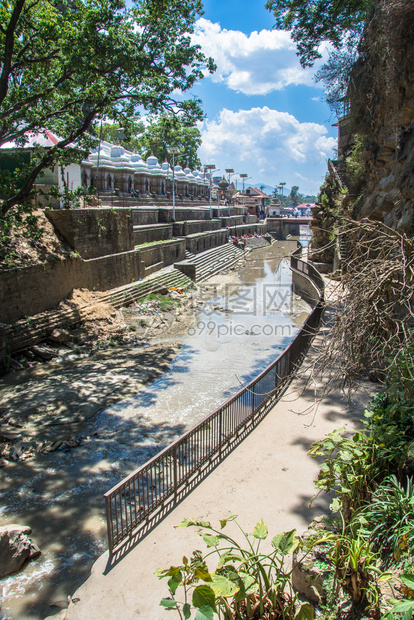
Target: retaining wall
(34,289)
(205,241)
(94,232)
(152,232)
(182,229)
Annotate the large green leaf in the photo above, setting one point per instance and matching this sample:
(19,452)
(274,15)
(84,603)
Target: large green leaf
(210,540)
(404,606)
(223,522)
(305,612)
(190,522)
(286,542)
(174,582)
(228,557)
(223,586)
(250,584)
(260,530)
(187,611)
(204,595)
(408,580)
(205,613)
(202,574)
(168,603)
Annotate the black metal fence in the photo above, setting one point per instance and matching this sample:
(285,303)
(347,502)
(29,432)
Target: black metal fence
(164,477)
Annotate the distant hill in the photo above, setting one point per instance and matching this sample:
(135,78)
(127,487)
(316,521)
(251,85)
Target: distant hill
(268,189)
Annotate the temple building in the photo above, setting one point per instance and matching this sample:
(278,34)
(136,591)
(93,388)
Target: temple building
(110,168)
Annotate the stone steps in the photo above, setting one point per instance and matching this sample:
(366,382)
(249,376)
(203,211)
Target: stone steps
(31,331)
(213,261)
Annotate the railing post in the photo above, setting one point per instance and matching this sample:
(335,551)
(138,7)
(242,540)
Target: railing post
(175,472)
(253,398)
(220,431)
(109,524)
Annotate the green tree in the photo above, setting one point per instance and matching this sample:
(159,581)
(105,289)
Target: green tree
(295,198)
(115,133)
(335,75)
(64,64)
(171,129)
(312,22)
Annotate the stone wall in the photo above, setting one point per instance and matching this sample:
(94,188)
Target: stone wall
(144,216)
(95,232)
(152,232)
(182,229)
(204,241)
(31,290)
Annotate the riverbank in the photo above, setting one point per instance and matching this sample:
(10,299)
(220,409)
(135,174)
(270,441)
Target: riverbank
(80,425)
(269,476)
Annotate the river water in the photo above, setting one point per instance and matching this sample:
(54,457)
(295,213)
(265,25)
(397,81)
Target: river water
(60,495)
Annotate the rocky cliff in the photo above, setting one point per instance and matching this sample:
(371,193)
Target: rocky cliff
(376,138)
(382,110)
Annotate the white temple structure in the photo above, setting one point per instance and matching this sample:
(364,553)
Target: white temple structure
(112,168)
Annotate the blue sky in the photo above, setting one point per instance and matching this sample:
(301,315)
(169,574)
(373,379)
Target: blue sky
(265,115)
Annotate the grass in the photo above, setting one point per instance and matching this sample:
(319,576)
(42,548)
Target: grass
(164,302)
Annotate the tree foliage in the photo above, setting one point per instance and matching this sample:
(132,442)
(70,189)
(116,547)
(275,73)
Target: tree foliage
(171,129)
(335,75)
(312,22)
(66,63)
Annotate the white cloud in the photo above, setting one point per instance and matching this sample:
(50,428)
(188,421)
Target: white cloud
(267,143)
(254,64)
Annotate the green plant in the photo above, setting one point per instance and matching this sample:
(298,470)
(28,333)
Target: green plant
(246,584)
(351,469)
(356,567)
(388,519)
(164,302)
(403,609)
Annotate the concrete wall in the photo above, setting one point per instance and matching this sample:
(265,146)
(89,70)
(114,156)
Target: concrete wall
(144,216)
(31,290)
(182,229)
(153,232)
(280,228)
(95,232)
(305,288)
(230,221)
(205,241)
(165,214)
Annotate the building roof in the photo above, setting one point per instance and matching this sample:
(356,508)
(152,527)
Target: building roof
(257,192)
(305,205)
(44,138)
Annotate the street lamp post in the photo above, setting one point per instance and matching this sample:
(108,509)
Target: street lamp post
(210,167)
(244,177)
(230,172)
(173,150)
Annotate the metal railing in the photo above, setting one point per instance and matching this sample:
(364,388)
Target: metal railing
(166,476)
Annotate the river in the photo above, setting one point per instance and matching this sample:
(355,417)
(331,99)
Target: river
(60,495)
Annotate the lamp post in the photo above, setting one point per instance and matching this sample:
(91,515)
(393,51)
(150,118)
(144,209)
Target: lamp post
(230,172)
(210,167)
(173,150)
(244,177)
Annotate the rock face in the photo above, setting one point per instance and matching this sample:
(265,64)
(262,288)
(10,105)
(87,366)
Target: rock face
(378,129)
(15,548)
(382,110)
